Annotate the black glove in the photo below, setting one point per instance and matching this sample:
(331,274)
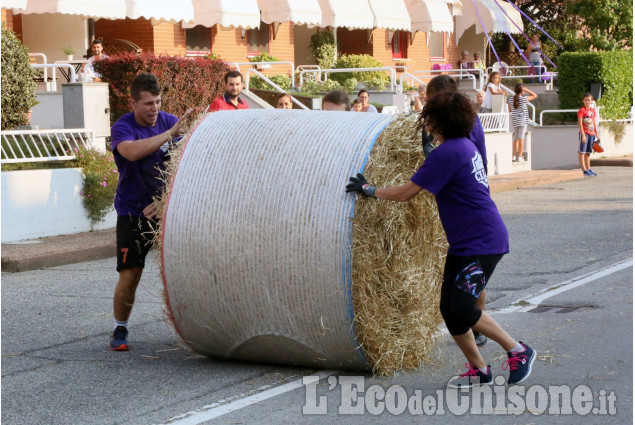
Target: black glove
(359,184)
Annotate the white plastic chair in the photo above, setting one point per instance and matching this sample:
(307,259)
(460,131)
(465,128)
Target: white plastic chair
(501,67)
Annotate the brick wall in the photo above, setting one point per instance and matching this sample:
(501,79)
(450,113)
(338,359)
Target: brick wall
(138,31)
(7,18)
(169,39)
(13,22)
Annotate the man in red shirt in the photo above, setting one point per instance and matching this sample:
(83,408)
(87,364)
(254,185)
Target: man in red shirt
(229,100)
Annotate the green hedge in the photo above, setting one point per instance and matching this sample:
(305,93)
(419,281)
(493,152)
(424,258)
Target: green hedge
(18,86)
(187,82)
(360,61)
(577,70)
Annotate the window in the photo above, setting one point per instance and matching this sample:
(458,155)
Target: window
(400,45)
(258,39)
(436,45)
(198,39)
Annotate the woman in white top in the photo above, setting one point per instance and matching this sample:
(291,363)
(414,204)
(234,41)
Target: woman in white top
(493,87)
(363,97)
(533,53)
(520,118)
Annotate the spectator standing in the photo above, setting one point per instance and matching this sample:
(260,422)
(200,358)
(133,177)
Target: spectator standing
(479,98)
(141,141)
(336,100)
(520,118)
(284,101)
(421,99)
(533,53)
(230,100)
(364,97)
(493,87)
(587,134)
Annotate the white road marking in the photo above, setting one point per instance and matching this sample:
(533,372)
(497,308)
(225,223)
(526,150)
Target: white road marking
(526,304)
(217,409)
(221,408)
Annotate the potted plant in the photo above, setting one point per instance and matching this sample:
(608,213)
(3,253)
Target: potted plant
(68,51)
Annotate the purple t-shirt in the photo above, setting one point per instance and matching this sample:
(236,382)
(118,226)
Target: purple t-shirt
(477,136)
(139,180)
(455,174)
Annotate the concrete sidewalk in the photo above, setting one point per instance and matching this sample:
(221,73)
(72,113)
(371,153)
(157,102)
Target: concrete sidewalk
(67,249)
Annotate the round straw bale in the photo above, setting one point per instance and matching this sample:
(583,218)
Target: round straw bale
(265,258)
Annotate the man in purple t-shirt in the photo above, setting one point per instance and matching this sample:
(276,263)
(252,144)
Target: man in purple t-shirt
(140,143)
(455,174)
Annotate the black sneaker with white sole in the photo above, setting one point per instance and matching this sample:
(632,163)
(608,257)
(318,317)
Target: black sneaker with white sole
(519,363)
(473,377)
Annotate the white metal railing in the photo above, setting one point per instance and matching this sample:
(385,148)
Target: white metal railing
(458,71)
(19,146)
(393,73)
(262,65)
(45,62)
(272,84)
(554,111)
(71,72)
(492,122)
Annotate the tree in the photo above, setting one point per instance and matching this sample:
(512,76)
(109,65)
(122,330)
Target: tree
(18,86)
(606,24)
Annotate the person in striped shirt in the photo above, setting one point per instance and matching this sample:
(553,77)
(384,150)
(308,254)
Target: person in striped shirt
(520,118)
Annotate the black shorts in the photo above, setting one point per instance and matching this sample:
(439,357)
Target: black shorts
(135,237)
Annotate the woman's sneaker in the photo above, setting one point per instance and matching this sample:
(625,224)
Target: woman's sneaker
(519,363)
(119,339)
(473,377)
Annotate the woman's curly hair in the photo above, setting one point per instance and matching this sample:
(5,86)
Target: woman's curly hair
(449,114)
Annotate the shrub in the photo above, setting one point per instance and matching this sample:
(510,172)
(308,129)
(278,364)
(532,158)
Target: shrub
(282,81)
(577,70)
(359,61)
(264,57)
(324,48)
(319,87)
(18,86)
(100,181)
(187,82)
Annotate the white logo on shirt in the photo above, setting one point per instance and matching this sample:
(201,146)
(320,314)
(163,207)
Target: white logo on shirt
(479,170)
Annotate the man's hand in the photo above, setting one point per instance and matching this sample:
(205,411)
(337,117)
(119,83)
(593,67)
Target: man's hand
(359,184)
(180,126)
(150,211)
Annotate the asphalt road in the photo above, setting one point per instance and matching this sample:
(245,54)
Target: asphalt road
(56,366)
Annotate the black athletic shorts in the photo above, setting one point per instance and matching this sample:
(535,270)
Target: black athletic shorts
(134,239)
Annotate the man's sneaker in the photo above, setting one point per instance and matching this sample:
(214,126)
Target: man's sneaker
(118,339)
(587,173)
(521,159)
(473,377)
(592,172)
(519,363)
(480,339)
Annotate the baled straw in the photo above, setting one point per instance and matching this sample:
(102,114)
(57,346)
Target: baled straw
(398,257)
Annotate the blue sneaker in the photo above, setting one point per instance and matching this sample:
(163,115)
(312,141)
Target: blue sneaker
(592,172)
(519,363)
(587,173)
(473,377)
(118,339)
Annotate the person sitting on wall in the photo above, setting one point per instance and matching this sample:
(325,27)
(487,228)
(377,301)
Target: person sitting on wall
(88,73)
(230,100)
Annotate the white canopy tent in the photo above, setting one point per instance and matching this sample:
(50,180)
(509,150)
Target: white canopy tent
(494,19)
(430,15)
(300,12)
(226,13)
(390,14)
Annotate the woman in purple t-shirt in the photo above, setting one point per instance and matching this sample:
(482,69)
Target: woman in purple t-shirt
(455,174)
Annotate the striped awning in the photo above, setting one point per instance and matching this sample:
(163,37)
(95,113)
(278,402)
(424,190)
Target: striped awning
(226,13)
(497,16)
(390,14)
(160,10)
(430,15)
(110,9)
(353,14)
(300,12)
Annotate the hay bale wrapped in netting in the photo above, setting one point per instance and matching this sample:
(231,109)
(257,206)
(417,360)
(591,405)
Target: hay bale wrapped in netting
(265,258)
